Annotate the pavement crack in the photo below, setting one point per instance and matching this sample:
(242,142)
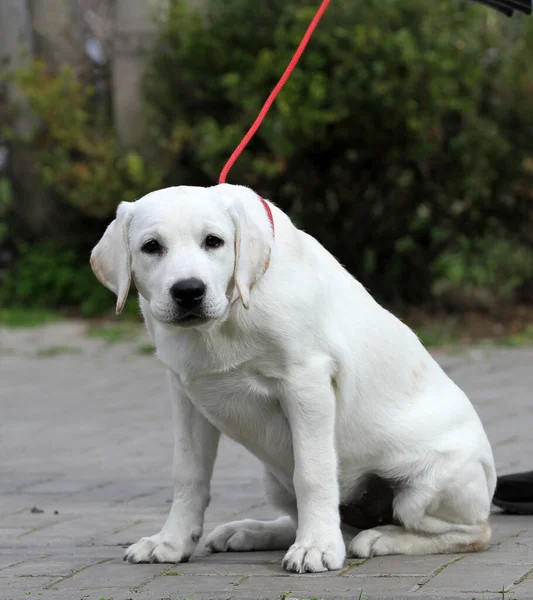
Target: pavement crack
(19,562)
(519,580)
(41,527)
(352,565)
(416,587)
(141,495)
(150,579)
(93,540)
(48,479)
(505,442)
(240,580)
(75,572)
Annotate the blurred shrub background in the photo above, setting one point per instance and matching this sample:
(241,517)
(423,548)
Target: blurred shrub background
(403,141)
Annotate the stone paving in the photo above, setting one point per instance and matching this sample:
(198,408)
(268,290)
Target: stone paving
(85,463)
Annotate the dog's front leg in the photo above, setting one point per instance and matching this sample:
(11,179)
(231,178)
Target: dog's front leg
(195,449)
(308,401)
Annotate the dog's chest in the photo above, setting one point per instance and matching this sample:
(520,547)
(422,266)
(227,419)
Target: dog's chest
(235,386)
(239,398)
(244,405)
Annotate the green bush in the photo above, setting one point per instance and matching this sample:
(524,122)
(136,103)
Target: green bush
(6,198)
(403,142)
(85,174)
(77,153)
(481,273)
(48,277)
(406,127)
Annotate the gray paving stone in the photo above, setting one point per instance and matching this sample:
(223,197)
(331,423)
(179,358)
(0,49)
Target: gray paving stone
(26,521)
(194,587)
(420,566)
(51,567)
(242,558)
(112,574)
(248,564)
(523,589)
(483,577)
(311,586)
(89,435)
(18,587)
(106,593)
(11,533)
(517,550)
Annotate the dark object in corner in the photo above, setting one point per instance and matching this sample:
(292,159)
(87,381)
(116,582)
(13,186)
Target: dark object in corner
(507,7)
(514,493)
(371,503)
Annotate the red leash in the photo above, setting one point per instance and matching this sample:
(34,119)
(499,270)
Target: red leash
(270,100)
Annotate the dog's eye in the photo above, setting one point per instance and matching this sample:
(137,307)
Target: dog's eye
(212,241)
(151,247)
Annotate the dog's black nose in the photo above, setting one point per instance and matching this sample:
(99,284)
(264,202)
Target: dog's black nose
(188,293)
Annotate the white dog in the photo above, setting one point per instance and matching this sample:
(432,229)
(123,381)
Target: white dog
(269,340)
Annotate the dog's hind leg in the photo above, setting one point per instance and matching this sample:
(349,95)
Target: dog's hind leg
(249,534)
(393,539)
(452,520)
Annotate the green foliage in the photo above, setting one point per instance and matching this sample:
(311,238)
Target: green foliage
(522,338)
(48,277)
(146,348)
(6,198)
(78,156)
(492,267)
(402,141)
(23,317)
(82,167)
(113,334)
(438,334)
(406,126)
(51,351)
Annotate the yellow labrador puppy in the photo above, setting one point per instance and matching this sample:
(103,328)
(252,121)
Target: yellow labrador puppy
(269,340)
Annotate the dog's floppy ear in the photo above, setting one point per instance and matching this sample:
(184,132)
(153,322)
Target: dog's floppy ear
(111,259)
(253,240)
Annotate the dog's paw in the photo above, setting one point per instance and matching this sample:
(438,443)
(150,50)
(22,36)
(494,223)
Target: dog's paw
(237,536)
(249,535)
(379,541)
(159,549)
(314,558)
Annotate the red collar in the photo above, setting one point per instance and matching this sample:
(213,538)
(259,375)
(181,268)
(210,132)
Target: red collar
(268,212)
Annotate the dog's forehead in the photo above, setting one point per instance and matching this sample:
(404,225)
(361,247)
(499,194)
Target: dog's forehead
(183,206)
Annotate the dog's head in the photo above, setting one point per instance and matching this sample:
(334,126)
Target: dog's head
(191,251)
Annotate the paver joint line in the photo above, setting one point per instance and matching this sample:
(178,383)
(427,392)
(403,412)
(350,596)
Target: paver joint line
(352,565)
(418,586)
(520,579)
(138,588)
(240,580)
(41,527)
(75,572)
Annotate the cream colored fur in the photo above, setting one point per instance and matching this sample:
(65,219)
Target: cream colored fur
(293,358)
